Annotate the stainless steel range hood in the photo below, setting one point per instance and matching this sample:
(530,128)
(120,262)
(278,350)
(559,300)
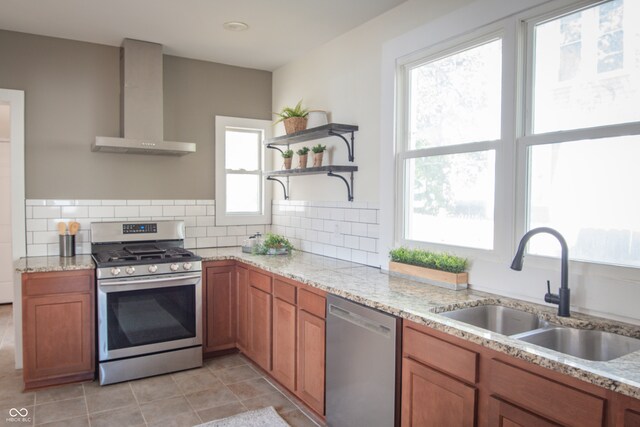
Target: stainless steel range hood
(141,109)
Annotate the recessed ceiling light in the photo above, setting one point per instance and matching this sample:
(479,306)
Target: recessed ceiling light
(235,26)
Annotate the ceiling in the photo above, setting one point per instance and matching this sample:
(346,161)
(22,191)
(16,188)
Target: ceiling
(280,30)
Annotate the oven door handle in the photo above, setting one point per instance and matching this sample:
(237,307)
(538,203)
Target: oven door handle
(147,281)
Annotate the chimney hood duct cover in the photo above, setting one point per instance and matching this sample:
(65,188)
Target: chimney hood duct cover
(141,109)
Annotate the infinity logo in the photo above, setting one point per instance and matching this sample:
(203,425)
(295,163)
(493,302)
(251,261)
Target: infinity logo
(13,412)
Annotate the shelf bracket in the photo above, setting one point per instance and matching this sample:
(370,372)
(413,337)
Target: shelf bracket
(285,188)
(350,146)
(273,147)
(349,184)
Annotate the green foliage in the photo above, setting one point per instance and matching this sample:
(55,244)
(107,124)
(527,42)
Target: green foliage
(272,241)
(318,148)
(303,151)
(287,154)
(288,112)
(434,260)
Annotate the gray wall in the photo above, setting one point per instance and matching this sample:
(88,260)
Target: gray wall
(72,92)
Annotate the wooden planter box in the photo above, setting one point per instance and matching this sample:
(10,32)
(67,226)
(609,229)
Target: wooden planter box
(455,281)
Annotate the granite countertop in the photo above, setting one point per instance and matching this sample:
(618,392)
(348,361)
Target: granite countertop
(419,303)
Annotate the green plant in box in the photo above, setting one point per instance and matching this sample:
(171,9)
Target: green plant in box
(433,260)
(273,244)
(288,112)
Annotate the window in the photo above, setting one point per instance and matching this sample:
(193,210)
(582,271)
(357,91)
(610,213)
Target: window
(451,131)
(240,159)
(582,140)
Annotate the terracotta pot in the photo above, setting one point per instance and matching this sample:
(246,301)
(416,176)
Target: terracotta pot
(287,162)
(317,159)
(302,160)
(295,124)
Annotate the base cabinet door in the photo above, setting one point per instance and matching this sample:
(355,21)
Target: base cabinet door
(433,399)
(58,325)
(503,414)
(242,277)
(311,360)
(220,309)
(284,343)
(259,327)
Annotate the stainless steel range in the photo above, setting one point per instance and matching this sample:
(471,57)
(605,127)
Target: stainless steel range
(149,299)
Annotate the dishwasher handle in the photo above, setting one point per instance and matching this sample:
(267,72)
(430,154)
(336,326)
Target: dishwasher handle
(359,321)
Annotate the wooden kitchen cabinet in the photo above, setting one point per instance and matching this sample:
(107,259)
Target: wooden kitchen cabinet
(58,327)
(284,343)
(259,319)
(433,399)
(242,278)
(311,358)
(503,414)
(220,303)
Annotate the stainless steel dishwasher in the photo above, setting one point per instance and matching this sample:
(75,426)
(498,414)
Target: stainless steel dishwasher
(362,364)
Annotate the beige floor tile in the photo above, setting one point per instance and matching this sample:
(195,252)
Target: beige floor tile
(159,410)
(11,394)
(7,420)
(237,374)
(82,421)
(275,399)
(211,398)
(150,389)
(130,417)
(251,388)
(186,419)
(196,380)
(297,419)
(222,411)
(224,362)
(53,394)
(62,410)
(110,398)
(95,387)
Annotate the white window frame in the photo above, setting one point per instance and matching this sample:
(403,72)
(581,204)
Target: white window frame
(500,146)
(222,217)
(526,139)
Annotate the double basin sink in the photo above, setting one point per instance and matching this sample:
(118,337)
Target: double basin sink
(528,327)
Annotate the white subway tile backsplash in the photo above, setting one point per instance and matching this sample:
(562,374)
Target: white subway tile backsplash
(74,211)
(173,210)
(205,221)
(358,229)
(227,241)
(196,231)
(367,244)
(196,210)
(150,210)
(352,242)
(37,224)
(101,212)
(46,211)
(139,202)
(128,211)
(368,215)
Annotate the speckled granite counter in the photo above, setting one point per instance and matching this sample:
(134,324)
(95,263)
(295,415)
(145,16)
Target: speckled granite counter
(43,264)
(421,303)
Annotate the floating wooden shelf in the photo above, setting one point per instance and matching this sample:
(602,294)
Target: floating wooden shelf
(331,129)
(313,171)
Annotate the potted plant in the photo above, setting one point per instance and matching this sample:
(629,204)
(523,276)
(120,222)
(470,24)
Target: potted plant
(303,154)
(287,155)
(294,119)
(273,244)
(435,268)
(318,152)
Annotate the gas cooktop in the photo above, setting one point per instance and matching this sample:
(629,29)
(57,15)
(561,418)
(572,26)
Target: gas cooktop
(142,254)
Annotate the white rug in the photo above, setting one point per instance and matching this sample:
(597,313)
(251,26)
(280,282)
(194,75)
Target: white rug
(265,417)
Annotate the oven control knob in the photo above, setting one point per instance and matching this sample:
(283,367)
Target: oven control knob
(130,270)
(174,267)
(115,271)
(153,268)
(187,266)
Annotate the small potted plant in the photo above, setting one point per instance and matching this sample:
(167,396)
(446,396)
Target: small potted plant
(435,268)
(273,244)
(294,119)
(303,154)
(287,155)
(318,152)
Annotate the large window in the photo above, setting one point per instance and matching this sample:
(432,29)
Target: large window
(451,131)
(581,145)
(240,159)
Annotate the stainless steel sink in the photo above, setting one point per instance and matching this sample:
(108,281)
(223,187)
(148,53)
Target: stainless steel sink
(496,318)
(585,344)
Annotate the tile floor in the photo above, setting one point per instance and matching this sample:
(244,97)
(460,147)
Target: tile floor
(224,386)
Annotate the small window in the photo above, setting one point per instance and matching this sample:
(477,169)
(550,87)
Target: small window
(240,160)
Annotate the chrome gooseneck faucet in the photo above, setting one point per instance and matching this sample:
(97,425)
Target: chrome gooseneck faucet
(562,298)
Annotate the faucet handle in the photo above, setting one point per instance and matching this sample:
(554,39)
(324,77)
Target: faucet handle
(549,297)
(548,287)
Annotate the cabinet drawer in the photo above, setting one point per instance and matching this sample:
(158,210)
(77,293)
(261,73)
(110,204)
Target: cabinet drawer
(547,398)
(446,357)
(312,303)
(34,284)
(260,281)
(284,291)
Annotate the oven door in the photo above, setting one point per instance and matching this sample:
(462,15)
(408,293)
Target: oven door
(148,314)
